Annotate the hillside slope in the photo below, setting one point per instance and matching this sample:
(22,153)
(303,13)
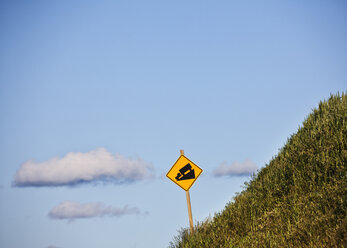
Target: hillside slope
(297,200)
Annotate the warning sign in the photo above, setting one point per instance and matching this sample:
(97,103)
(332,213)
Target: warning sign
(184,172)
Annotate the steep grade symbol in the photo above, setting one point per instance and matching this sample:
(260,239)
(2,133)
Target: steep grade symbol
(186,172)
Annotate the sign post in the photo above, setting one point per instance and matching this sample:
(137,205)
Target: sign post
(189,205)
(184,173)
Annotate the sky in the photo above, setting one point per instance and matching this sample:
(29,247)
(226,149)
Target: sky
(97,98)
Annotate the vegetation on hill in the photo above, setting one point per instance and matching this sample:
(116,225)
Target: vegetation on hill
(297,200)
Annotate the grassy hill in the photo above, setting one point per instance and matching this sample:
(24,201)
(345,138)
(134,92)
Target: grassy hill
(297,200)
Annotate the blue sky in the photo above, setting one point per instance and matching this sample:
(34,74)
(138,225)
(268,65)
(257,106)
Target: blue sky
(98,97)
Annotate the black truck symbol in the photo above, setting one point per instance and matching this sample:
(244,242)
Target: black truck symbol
(186,172)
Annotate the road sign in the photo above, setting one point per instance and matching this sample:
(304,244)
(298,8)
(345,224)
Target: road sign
(184,172)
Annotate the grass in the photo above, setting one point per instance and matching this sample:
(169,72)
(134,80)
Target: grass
(297,200)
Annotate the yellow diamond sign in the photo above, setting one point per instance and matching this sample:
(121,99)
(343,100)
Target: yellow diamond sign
(184,172)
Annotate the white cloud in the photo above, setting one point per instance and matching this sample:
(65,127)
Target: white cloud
(235,169)
(74,210)
(75,168)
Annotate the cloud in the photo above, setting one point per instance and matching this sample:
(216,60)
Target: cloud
(235,169)
(52,246)
(74,210)
(76,168)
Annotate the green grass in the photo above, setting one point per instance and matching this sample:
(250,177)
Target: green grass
(297,200)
